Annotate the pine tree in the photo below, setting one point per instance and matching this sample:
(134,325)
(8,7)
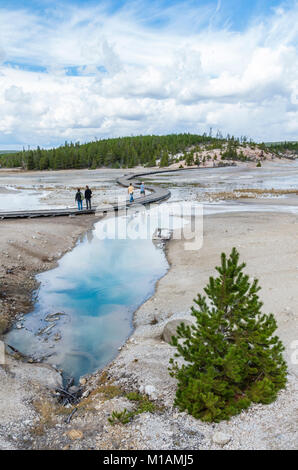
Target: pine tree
(30,161)
(231,357)
(164,159)
(44,162)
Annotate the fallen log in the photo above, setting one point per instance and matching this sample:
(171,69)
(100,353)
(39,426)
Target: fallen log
(70,415)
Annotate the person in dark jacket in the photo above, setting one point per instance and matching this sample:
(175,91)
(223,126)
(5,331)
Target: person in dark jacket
(79,199)
(88,195)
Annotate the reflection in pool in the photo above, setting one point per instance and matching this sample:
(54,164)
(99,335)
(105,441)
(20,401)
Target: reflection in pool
(96,288)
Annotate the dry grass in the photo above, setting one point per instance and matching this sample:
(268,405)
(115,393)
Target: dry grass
(268,191)
(108,392)
(4,324)
(105,390)
(248,193)
(46,411)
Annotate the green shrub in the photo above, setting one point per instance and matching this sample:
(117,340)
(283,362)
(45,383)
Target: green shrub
(231,356)
(144,405)
(134,396)
(121,417)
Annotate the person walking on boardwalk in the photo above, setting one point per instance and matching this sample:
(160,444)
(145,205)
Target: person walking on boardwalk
(79,199)
(130,192)
(88,195)
(142,189)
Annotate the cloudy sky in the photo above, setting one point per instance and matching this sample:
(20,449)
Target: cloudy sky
(79,70)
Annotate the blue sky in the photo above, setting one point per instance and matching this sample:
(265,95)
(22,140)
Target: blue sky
(78,69)
(234,13)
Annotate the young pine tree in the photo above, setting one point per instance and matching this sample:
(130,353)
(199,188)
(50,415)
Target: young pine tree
(231,357)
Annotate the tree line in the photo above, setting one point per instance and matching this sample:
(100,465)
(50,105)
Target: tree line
(128,152)
(280,147)
(122,152)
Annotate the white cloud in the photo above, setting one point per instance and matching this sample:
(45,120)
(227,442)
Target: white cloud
(15,94)
(136,78)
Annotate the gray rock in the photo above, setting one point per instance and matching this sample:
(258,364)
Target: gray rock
(162,234)
(220,438)
(150,390)
(43,374)
(73,389)
(170,329)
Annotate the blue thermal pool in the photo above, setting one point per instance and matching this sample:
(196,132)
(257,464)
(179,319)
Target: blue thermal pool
(84,308)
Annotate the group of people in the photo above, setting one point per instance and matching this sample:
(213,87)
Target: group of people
(80,197)
(131,191)
(88,194)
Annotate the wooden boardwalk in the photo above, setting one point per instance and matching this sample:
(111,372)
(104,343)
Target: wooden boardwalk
(157,194)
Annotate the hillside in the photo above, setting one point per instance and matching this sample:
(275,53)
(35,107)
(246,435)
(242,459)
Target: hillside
(149,151)
(284,149)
